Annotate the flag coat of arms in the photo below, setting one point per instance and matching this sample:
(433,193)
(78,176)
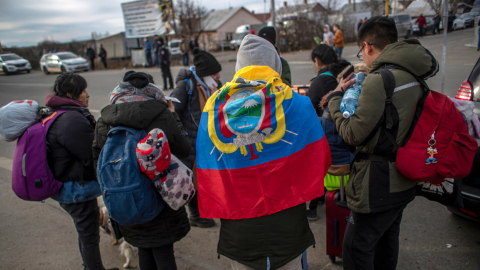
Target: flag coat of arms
(260,148)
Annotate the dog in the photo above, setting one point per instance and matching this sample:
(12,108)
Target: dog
(129,252)
(125,248)
(105,225)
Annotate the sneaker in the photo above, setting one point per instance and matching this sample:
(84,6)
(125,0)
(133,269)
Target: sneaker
(312,214)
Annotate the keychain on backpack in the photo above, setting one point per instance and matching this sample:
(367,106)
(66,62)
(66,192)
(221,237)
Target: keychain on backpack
(431,151)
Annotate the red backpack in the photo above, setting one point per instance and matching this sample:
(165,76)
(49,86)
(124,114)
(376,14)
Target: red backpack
(437,145)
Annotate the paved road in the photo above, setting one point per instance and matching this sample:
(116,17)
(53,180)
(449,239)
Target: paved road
(42,236)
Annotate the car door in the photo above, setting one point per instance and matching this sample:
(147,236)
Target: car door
(53,63)
(400,27)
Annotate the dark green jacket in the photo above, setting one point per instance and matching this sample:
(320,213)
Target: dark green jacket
(286,75)
(377,186)
(169,226)
(280,237)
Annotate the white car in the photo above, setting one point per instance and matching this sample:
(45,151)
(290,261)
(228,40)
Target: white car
(174,47)
(12,63)
(459,23)
(63,62)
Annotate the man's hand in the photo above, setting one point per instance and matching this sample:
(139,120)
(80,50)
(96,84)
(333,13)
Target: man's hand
(170,105)
(345,83)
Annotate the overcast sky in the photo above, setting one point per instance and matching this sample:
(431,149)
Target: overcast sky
(27,22)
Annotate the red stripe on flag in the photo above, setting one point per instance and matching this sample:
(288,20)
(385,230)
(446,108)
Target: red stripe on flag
(221,120)
(264,189)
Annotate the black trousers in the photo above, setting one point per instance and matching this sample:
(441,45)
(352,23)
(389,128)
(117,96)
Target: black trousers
(167,75)
(86,218)
(371,240)
(104,61)
(92,63)
(161,258)
(437,28)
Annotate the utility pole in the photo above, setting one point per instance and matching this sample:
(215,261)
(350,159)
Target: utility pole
(272,13)
(386,7)
(445,27)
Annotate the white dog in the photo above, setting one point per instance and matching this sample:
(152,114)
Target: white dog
(126,249)
(129,252)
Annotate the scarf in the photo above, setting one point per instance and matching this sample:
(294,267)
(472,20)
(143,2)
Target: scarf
(125,92)
(199,81)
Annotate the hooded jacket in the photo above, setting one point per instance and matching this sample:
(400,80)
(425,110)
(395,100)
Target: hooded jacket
(189,111)
(377,186)
(323,84)
(169,226)
(70,158)
(328,36)
(274,239)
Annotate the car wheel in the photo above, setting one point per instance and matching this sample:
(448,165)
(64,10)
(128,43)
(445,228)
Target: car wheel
(45,70)
(64,70)
(6,71)
(407,36)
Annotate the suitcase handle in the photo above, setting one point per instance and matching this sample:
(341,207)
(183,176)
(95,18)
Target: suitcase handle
(342,189)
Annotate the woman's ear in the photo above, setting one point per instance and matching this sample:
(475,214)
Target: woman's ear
(69,95)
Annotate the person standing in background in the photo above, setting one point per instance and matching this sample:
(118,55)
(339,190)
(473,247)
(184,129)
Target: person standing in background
(147,47)
(450,20)
(327,35)
(165,64)
(270,34)
(184,51)
(193,44)
(359,25)
(338,40)
(103,56)
(437,19)
(156,49)
(421,24)
(91,55)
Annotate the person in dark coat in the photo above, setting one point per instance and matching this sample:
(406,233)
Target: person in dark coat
(70,158)
(359,24)
(450,18)
(91,55)
(327,65)
(437,19)
(156,50)
(193,44)
(164,54)
(190,110)
(269,33)
(103,56)
(137,103)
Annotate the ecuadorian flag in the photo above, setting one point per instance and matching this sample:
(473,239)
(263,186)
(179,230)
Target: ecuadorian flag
(260,148)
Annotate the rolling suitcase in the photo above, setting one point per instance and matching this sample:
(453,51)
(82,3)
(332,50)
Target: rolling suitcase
(337,214)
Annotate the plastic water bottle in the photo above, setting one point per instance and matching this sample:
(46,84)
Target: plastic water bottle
(349,103)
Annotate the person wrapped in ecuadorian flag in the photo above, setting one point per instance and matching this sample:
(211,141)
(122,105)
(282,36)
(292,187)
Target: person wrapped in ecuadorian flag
(260,146)
(261,155)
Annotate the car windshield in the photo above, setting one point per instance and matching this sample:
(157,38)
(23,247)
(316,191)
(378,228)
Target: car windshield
(174,44)
(466,16)
(65,56)
(11,57)
(240,35)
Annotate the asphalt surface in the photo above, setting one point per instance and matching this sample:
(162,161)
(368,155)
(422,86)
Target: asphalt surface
(37,235)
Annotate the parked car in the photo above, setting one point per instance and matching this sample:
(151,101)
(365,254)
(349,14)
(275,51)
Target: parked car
(469,90)
(404,24)
(63,62)
(429,27)
(458,23)
(174,47)
(13,63)
(469,18)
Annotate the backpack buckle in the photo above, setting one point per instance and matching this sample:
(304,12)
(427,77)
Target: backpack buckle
(38,183)
(389,101)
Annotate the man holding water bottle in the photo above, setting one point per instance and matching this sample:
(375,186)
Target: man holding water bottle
(377,193)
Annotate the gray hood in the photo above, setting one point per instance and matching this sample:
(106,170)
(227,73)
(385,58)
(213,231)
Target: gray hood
(256,51)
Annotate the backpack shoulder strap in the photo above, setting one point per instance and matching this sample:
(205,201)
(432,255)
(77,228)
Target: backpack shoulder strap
(389,85)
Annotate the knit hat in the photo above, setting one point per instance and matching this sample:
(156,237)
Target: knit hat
(269,33)
(257,51)
(205,63)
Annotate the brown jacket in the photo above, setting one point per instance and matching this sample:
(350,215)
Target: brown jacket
(184,46)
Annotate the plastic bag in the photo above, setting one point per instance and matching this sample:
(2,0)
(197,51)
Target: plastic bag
(16,117)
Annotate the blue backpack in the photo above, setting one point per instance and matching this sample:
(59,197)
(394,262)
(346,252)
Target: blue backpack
(129,195)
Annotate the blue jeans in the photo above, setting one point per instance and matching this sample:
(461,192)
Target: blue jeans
(339,51)
(185,59)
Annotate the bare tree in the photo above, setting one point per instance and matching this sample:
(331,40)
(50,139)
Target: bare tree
(190,14)
(436,5)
